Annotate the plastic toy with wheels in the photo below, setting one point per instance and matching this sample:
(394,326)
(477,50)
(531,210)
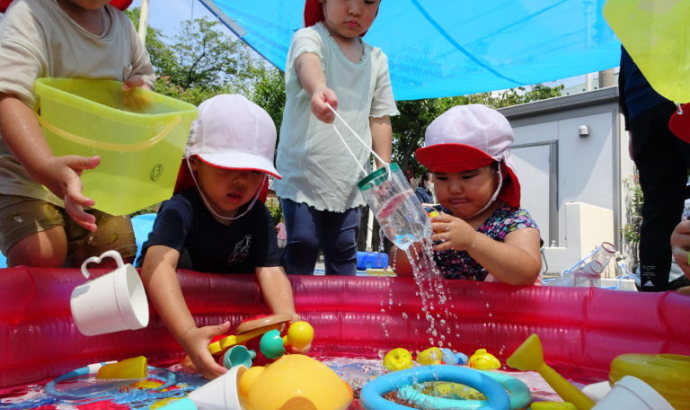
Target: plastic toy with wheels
(272,344)
(530,356)
(371,396)
(518,392)
(248,330)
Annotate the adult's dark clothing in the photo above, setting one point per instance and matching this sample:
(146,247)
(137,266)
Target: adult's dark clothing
(206,245)
(425,196)
(662,162)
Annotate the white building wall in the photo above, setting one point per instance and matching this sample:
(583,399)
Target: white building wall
(571,157)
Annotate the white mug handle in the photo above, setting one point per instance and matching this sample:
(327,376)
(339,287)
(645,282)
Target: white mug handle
(97,259)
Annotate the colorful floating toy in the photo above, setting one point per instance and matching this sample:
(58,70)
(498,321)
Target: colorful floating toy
(432,355)
(518,392)
(372,393)
(451,357)
(397,359)
(483,360)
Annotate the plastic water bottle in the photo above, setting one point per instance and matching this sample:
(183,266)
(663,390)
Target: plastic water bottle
(590,273)
(396,207)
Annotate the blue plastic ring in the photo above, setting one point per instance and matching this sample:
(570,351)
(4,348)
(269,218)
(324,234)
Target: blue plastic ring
(518,393)
(371,396)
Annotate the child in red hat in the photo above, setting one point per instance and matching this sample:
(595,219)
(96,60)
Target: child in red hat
(329,64)
(481,233)
(55,227)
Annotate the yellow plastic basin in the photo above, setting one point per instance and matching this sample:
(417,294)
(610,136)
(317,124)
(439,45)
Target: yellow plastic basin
(140,144)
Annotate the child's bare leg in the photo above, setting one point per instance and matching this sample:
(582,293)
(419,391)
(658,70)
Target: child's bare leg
(45,249)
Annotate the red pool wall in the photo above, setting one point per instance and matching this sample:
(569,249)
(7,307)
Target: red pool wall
(352,316)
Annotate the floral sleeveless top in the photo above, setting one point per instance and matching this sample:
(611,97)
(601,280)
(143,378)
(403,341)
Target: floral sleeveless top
(504,220)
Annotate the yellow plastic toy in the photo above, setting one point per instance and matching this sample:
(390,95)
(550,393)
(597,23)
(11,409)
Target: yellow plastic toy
(247,331)
(134,368)
(668,374)
(432,355)
(483,360)
(299,335)
(293,382)
(655,33)
(552,405)
(530,356)
(397,359)
(139,135)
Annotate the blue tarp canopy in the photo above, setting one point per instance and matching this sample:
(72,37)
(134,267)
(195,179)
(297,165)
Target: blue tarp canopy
(441,48)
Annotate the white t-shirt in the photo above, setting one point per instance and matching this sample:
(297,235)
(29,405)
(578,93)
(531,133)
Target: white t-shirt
(315,165)
(38,39)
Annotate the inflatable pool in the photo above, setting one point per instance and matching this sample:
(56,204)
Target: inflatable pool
(582,329)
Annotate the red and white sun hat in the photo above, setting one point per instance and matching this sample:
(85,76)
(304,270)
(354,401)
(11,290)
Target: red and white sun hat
(467,137)
(232,132)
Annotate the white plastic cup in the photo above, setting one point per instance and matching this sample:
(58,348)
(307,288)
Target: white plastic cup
(632,393)
(220,393)
(110,303)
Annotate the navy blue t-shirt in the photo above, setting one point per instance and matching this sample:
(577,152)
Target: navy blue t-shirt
(206,245)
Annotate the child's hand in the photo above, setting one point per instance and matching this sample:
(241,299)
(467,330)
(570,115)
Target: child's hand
(133,99)
(451,233)
(320,100)
(195,342)
(680,245)
(61,177)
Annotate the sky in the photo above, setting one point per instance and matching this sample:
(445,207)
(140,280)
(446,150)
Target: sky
(168,15)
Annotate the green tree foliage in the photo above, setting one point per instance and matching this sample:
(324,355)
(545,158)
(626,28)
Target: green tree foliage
(201,61)
(269,93)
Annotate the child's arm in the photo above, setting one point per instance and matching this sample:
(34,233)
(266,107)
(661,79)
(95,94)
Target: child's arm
(400,262)
(382,137)
(680,245)
(276,290)
(159,274)
(313,80)
(24,138)
(515,261)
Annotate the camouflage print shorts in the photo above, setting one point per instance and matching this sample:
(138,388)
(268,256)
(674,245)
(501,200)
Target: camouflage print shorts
(21,217)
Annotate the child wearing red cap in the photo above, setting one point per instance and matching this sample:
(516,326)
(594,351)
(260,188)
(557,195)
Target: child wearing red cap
(329,64)
(481,233)
(218,225)
(58,38)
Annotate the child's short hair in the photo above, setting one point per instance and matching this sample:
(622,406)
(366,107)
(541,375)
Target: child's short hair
(468,137)
(234,133)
